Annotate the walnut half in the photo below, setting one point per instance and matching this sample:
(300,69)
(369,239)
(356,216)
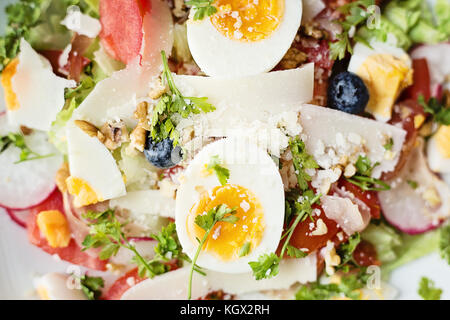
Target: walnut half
(115,133)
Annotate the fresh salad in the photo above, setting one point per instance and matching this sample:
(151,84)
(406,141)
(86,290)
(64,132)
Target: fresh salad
(227,149)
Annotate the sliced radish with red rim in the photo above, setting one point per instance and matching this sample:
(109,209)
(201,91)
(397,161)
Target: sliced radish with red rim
(28,183)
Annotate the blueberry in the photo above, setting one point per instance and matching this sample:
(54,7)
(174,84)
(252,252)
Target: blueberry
(162,154)
(348,93)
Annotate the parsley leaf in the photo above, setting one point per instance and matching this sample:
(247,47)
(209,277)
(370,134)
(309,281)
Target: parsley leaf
(91,286)
(440,113)
(444,243)
(106,232)
(302,160)
(356,14)
(203,8)
(245,249)
(428,291)
(348,287)
(413,184)
(221,213)
(388,146)
(18,140)
(346,249)
(222,173)
(173,102)
(267,264)
(295,252)
(363,178)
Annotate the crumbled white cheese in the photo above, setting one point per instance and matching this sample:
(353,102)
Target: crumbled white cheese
(321,228)
(332,259)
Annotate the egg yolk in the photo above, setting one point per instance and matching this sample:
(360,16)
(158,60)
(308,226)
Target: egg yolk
(385,77)
(7,74)
(226,239)
(442,137)
(54,226)
(82,192)
(247,20)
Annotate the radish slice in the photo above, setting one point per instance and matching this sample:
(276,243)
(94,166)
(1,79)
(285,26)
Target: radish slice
(19,216)
(26,184)
(416,210)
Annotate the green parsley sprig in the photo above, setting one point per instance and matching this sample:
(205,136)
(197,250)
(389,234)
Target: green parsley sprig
(302,161)
(18,140)
(427,289)
(346,250)
(440,113)
(91,286)
(356,15)
(363,178)
(221,213)
(268,264)
(203,8)
(106,233)
(348,287)
(222,173)
(173,102)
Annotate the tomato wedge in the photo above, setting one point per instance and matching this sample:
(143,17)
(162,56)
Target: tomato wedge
(365,254)
(421,80)
(302,238)
(72,253)
(370,198)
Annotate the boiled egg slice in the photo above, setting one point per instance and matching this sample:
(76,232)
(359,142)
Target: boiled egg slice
(33,93)
(386,70)
(254,189)
(244,37)
(438,150)
(94,174)
(57,286)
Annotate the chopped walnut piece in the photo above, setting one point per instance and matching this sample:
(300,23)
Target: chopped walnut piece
(115,134)
(293,58)
(87,127)
(61,176)
(313,30)
(138,137)
(157,89)
(141,114)
(25,130)
(446,99)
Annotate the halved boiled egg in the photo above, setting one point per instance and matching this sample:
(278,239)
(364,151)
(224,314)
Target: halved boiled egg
(386,70)
(94,174)
(438,150)
(244,37)
(254,189)
(33,93)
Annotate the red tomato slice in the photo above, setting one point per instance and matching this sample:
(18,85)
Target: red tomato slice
(365,254)
(370,198)
(404,114)
(121,22)
(302,238)
(421,80)
(72,253)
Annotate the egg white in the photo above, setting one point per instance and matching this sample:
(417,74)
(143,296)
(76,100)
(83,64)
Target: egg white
(251,168)
(40,93)
(91,161)
(361,52)
(220,56)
